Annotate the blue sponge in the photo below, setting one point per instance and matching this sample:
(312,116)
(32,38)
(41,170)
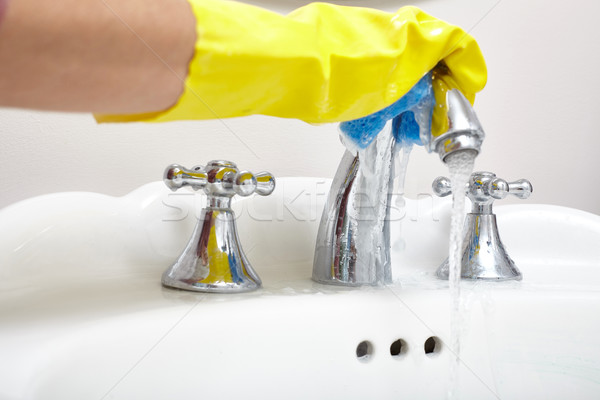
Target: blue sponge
(364,130)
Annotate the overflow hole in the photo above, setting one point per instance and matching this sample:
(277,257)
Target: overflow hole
(364,351)
(432,345)
(398,348)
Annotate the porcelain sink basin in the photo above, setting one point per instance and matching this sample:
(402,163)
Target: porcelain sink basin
(83,314)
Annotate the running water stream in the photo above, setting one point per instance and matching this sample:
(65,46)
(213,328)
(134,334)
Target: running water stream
(460,166)
(375,177)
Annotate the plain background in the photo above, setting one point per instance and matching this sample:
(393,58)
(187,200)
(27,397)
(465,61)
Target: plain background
(539,110)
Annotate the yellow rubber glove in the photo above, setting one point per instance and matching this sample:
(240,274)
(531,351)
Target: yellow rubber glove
(320,63)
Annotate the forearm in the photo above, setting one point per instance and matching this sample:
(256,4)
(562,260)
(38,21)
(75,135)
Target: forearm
(104,56)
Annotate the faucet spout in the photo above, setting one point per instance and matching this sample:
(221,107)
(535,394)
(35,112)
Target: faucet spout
(464,129)
(353,241)
(352,247)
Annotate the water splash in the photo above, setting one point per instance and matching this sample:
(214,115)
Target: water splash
(460,166)
(374,182)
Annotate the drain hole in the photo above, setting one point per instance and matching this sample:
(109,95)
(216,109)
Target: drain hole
(432,345)
(364,350)
(398,348)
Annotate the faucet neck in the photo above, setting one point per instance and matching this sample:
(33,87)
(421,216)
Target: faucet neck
(219,202)
(482,208)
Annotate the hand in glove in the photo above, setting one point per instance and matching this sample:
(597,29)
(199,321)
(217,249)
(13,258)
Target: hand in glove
(320,63)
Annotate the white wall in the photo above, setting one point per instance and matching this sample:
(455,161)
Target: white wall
(539,111)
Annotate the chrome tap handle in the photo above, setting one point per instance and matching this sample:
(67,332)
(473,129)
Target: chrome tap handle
(176,176)
(219,178)
(483,188)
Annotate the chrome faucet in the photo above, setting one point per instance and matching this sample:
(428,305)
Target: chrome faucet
(353,241)
(483,254)
(464,129)
(213,260)
(352,246)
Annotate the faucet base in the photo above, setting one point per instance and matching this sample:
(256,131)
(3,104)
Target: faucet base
(213,260)
(353,241)
(208,288)
(484,256)
(340,282)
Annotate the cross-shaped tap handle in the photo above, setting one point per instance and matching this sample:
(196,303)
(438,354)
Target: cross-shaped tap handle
(219,178)
(484,187)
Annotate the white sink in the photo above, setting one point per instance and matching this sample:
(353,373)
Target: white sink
(83,314)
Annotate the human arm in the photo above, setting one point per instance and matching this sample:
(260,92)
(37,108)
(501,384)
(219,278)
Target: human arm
(320,63)
(103,56)
(129,58)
